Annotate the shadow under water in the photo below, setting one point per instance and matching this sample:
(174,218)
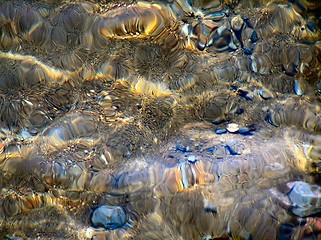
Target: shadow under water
(172,119)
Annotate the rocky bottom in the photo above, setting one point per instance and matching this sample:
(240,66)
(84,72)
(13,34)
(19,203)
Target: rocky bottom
(160,120)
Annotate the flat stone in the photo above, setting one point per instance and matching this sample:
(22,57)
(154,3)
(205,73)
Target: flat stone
(108,217)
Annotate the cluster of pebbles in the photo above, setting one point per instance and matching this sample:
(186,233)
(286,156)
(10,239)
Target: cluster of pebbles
(166,119)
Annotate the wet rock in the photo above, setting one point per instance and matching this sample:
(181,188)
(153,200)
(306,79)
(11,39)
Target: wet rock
(246,131)
(247,51)
(306,199)
(254,37)
(297,88)
(191,158)
(245,94)
(270,118)
(108,217)
(222,39)
(218,121)
(220,131)
(233,148)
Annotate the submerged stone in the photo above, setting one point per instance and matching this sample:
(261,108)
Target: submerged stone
(306,199)
(297,88)
(245,131)
(108,217)
(220,131)
(232,127)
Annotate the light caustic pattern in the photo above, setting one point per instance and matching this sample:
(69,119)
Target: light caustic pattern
(172,119)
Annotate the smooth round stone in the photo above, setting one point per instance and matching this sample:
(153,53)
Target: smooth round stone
(109,217)
(232,127)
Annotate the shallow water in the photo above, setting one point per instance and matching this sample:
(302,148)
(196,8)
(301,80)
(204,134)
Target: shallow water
(173,119)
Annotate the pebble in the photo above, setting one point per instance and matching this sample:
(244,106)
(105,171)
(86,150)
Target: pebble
(233,148)
(220,131)
(297,88)
(237,23)
(246,131)
(109,217)
(247,51)
(270,119)
(233,127)
(217,121)
(264,95)
(254,37)
(191,158)
(245,94)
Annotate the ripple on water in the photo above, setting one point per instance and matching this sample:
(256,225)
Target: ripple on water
(185,119)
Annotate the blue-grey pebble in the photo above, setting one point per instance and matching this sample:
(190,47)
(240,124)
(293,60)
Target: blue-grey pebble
(109,217)
(220,131)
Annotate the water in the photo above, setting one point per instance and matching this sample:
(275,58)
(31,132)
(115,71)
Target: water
(164,120)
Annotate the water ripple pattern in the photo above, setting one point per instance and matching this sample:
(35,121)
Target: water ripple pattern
(165,119)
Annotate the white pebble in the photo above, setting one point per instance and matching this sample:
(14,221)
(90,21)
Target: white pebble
(233,127)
